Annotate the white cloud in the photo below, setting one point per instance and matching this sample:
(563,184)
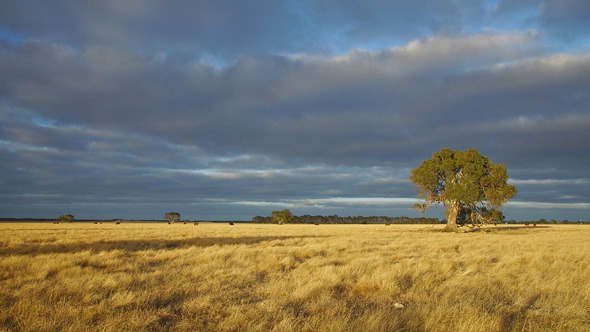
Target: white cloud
(336,201)
(549,182)
(548,205)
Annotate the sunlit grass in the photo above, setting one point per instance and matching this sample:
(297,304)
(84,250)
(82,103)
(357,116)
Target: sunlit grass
(212,277)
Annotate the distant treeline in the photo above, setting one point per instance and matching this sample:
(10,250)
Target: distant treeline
(552,221)
(335,219)
(77,220)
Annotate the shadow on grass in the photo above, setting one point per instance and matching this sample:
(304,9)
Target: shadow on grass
(136,245)
(492,229)
(515,318)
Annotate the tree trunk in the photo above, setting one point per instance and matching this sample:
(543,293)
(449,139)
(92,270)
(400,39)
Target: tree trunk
(452,212)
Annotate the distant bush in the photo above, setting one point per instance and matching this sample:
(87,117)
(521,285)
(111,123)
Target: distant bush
(66,218)
(172,217)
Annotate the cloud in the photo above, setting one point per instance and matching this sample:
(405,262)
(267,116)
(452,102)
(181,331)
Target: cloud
(221,31)
(549,181)
(218,28)
(560,20)
(568,19)
(545,205)
(212,105)
(393,20)
(363,107)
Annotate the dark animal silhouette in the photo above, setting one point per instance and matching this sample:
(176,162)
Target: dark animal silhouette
(196,223)
(118,223)
(387,224)
(231,223)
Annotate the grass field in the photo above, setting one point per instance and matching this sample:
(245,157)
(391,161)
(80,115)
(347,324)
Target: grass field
(248,277)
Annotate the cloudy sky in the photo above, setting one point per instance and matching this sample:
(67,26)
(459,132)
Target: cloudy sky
(222,109)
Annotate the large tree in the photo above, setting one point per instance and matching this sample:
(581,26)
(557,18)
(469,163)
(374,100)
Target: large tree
(66,218)
(282,217)
(172,217)
(463,180)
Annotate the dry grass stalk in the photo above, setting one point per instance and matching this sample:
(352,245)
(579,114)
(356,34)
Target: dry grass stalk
(249,277)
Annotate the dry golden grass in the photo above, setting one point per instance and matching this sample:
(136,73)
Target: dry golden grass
(216,277)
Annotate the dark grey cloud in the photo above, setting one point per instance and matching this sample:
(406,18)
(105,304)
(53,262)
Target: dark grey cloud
(207,28)
(104,112)
(255,98)
(567,18)
(361,106)
(222,31)
(564,20)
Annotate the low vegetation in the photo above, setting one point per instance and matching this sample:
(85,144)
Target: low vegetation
(336,219)
(254,277)
(66,218)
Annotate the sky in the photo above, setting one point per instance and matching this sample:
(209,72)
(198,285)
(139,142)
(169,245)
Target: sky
(224,110)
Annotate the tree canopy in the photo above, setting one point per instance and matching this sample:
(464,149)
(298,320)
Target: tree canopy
(172,216)
(463,181)
(66,218)
(282,217)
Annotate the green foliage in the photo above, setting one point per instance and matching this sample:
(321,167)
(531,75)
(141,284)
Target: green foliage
(463,181)
(66,218)
(261,220)
(490,215)
(282,217)
(172,217)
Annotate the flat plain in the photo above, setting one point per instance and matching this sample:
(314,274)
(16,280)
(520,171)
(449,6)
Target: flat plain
(253,277)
